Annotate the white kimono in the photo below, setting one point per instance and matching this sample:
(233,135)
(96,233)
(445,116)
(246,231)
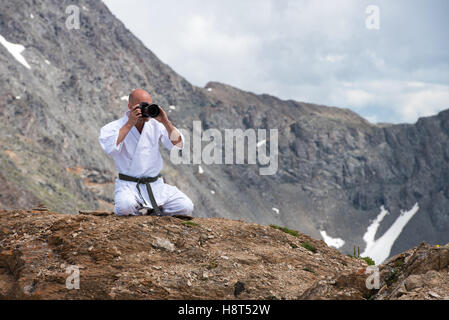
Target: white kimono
(138,156)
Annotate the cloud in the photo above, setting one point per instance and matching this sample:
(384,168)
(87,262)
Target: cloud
(307,50)
(426,100)
(379,101)
(359,97)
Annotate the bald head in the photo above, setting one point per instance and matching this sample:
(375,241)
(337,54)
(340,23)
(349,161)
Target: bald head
(138,96)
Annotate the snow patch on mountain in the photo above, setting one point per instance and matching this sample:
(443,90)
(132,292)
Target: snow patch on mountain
(332,242)
(16,51)
(379,250)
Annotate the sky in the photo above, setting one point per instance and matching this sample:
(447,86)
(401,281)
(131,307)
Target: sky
(388,64)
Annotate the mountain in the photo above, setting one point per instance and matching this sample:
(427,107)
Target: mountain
(337,173)
(97,255)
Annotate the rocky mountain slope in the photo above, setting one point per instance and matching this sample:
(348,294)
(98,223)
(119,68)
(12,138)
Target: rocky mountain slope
(335,171)
(420,273)
(207,258)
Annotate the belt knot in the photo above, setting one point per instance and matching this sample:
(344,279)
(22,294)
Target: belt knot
(146,181)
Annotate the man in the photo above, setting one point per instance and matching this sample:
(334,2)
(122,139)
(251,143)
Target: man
(133,142)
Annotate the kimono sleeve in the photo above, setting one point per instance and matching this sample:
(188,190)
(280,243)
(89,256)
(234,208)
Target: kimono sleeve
(166,140)
(108,140)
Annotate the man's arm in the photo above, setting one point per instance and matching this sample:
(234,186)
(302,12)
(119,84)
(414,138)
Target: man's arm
(173,133)
(134,116)
(124,132)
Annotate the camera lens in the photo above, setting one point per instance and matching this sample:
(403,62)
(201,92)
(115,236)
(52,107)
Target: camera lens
(149,110)
(153,110)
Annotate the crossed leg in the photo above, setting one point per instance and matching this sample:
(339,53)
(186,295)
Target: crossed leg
(177,203)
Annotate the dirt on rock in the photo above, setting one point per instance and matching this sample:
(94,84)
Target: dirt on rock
(157,258)
(48,255)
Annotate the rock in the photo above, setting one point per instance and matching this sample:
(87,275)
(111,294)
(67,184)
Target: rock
(164,244)
(239,287)
(29,289)
(413,282)
(434,295)
(114,257)
(416,274)
(400,291)
(246,259)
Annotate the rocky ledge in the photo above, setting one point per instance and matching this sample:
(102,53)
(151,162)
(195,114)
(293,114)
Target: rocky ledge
(96,255)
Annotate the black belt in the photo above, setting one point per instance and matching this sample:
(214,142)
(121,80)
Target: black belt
(146,181)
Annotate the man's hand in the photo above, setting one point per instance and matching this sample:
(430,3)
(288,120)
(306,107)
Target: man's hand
(162,117)
(173,133)
(134,115)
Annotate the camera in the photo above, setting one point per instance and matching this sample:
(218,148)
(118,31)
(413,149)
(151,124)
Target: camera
(149,110)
